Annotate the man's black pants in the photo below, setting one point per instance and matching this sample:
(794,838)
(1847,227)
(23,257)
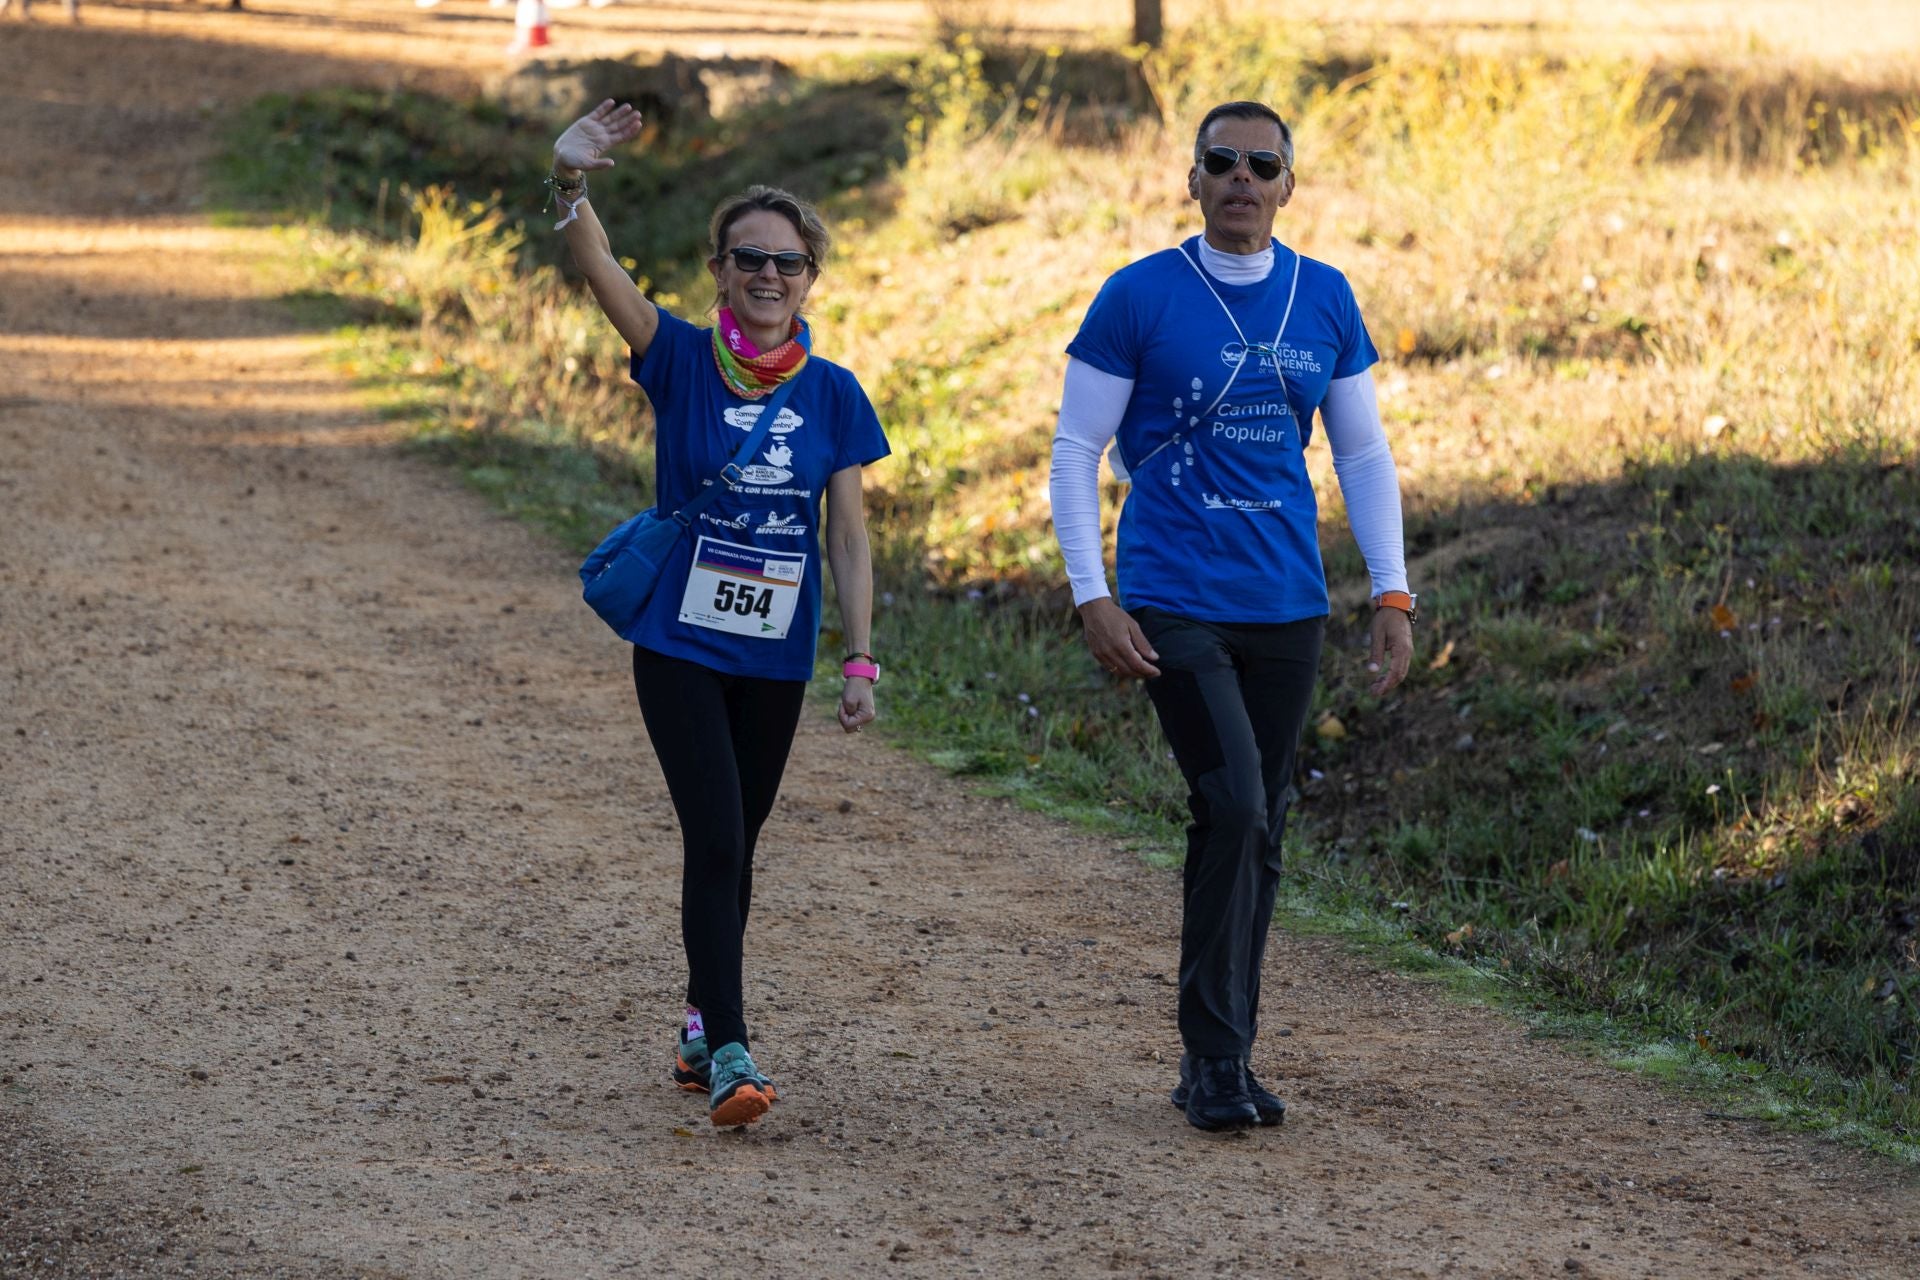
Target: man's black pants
(722,742)
(1232,698)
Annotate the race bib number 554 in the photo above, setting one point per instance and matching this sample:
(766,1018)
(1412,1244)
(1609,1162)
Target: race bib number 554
(742,590)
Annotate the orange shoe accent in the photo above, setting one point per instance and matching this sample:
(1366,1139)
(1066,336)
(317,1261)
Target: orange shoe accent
(692,1083)
(748,1103)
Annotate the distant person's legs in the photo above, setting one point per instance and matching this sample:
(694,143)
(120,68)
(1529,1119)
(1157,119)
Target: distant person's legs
(529,27)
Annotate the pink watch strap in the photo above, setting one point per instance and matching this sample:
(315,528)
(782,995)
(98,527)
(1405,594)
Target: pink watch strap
(866,670)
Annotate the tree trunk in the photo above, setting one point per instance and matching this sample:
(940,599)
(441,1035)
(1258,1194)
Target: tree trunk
(1147,28)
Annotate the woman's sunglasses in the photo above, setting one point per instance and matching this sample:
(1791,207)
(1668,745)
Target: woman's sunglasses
(790,263)
(1264,165)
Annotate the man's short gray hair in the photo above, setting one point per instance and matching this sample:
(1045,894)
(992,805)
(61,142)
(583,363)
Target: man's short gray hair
(1244,111)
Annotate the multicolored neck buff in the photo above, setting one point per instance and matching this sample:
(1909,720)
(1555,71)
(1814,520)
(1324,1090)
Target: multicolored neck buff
(749,372)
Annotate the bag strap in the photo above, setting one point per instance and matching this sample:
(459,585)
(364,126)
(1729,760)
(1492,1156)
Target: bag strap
(755,438)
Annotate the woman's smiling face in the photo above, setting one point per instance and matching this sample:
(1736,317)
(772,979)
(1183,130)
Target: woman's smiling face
(763,301)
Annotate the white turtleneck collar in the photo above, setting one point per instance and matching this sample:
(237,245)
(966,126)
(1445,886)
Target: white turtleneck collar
(1236,268)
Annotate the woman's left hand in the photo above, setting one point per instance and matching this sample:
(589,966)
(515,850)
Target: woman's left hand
(856,704)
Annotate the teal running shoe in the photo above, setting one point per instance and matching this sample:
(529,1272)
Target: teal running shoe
(741,1094)
(692,1065)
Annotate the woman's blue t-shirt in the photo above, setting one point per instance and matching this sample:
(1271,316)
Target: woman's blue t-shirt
(741,593)
(1220,523)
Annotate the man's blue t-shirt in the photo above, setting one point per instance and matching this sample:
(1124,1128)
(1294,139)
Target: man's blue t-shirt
(1220,523)
(741,593)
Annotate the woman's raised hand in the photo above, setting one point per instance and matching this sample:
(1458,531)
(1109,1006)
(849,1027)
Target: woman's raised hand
(585,144)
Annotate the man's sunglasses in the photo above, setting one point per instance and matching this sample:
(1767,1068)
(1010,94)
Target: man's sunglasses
(1264,165)
(790,263)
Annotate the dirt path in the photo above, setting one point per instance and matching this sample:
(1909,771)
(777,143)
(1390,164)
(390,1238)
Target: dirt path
(338,903)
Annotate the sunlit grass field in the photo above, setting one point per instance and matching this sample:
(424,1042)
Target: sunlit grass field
(1651,372)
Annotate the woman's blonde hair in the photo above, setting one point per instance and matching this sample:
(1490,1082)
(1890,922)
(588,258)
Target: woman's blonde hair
(804,217)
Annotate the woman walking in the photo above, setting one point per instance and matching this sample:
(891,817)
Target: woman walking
(725,646)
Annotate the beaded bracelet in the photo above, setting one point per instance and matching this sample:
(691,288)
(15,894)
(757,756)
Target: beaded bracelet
(566,191)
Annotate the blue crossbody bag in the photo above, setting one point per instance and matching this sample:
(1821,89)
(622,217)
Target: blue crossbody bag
(619,576)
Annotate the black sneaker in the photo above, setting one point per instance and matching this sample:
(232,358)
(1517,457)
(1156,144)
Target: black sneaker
(1217,1095)
(1270,1109)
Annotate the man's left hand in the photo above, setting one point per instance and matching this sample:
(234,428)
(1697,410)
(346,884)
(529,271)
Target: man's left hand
(1392,648)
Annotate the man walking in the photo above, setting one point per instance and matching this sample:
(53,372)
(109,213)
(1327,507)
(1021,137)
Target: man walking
(1208,362)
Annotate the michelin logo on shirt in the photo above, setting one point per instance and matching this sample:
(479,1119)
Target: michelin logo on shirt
(775,468)
(1214,502)
(782,526)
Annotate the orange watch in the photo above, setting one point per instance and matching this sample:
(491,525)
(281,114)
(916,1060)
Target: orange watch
(1404,601)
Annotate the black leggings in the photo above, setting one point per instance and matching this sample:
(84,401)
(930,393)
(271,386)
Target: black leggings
(722,742)
(1232,699)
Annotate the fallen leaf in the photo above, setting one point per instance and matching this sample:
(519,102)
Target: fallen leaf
(1742,684)
(444,1080)
(681,1131)
(1723,618)
(1442,658)
(1330,728)
(1407,341)
(1460,935)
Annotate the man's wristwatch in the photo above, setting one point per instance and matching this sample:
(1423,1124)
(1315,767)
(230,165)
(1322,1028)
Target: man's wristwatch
(1404,601)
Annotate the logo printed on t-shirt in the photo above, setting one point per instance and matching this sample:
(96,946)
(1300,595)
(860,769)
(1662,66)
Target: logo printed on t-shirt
(1251,506)
(776,466)
(782,526)
(1298,359)
(1235,424)
(743,416)
(1235,353)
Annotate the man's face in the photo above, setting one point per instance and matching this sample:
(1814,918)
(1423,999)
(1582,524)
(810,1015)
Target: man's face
(1238,206)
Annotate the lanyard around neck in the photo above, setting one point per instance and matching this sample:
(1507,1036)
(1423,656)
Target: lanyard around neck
(1246,348)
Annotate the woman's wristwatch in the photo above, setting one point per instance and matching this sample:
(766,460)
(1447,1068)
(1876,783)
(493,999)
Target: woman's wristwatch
(1404,601)
(861,664)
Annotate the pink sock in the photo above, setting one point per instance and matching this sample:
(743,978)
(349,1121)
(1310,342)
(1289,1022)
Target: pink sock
(695,1028)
